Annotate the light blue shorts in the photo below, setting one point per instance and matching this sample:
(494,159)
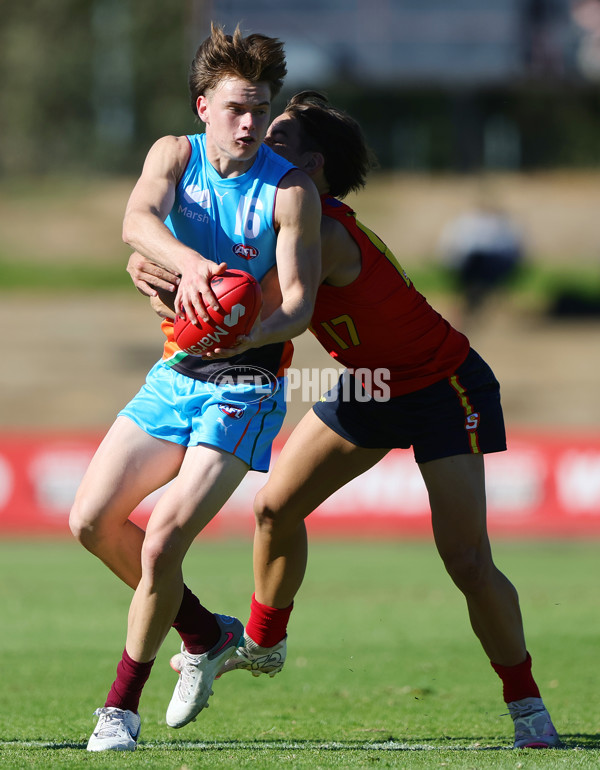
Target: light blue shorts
(235,418)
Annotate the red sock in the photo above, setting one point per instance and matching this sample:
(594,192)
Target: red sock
(196,626)
(126,690)
(267,625)
(517,680)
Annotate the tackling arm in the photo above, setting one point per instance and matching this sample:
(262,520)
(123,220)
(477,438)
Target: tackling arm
(298,218)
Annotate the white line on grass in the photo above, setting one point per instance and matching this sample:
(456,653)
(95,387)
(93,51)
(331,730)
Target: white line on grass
(268,746)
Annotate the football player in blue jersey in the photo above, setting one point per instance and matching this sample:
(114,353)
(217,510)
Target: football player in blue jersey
(202,202)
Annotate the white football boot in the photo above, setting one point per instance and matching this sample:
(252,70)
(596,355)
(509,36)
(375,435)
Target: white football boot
(198,672)
(533,726)
(117,730)
(256,659)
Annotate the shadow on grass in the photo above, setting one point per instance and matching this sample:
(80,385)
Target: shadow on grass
(570,741)
(573,741)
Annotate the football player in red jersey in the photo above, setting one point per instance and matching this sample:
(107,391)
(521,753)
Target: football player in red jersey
(444,401)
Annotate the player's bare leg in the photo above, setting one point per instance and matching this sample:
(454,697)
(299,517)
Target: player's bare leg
(206,480)
(128,465)
(456,487)
(299,482)
(113,487)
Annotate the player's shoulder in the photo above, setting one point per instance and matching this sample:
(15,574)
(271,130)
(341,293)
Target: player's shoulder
(297,179)
(341,256)
(297,190)
(175,147)
(169,155)
(297,196)
(333,231)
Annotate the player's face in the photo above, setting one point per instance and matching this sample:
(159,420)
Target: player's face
(283,137)
(236,114)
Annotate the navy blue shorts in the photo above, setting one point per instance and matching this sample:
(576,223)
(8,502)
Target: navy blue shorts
(459,415)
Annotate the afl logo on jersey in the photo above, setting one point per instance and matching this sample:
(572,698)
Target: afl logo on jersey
(244,251)
(235,412)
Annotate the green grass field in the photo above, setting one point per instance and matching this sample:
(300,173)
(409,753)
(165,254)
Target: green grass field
(383,669)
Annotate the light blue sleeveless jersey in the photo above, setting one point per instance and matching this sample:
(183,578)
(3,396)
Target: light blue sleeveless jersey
(226,220)
(229,220)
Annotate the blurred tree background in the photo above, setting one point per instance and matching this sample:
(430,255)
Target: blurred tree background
(88,85)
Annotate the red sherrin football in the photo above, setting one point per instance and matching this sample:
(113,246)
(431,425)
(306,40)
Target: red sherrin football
(240,297)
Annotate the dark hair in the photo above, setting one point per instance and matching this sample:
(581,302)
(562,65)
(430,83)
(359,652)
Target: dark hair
(332,132)
(256,58)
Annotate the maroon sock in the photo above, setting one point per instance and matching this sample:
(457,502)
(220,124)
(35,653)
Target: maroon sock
(267,625)
(517,681)
(126,690)
(197,627)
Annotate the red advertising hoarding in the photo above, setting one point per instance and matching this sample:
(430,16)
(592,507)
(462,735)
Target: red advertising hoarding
(546,485)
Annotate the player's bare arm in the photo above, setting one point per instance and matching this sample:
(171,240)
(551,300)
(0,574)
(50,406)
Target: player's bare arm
(271,293)
(298,258)
(298,261)
(144,229)
(298,219)
(340,265)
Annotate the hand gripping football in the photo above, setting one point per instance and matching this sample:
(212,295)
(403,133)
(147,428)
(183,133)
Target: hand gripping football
(240,296)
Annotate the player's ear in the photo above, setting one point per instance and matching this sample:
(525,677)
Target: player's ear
(314,162)
(201,105)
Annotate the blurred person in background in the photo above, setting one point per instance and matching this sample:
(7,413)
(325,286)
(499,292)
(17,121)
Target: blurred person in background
(482,249)
(445,403)
(197,199)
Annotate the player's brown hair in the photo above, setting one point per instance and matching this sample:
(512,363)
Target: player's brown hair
(256,58)
(337,136)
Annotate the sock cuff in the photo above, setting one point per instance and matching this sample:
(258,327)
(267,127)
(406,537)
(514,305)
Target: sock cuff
(255,604)
(517,681)
(524,666)
(128,661)
(267,626)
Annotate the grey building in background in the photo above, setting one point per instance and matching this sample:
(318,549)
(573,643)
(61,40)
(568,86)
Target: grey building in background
(437,85)
(394,42)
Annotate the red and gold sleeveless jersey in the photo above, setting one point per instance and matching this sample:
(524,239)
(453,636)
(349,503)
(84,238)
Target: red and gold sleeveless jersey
(380,321)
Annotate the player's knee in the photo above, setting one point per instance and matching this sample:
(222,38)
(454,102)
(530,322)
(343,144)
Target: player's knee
(162,554)
(271,518)
(469,568)
(263,511)
(85,524)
